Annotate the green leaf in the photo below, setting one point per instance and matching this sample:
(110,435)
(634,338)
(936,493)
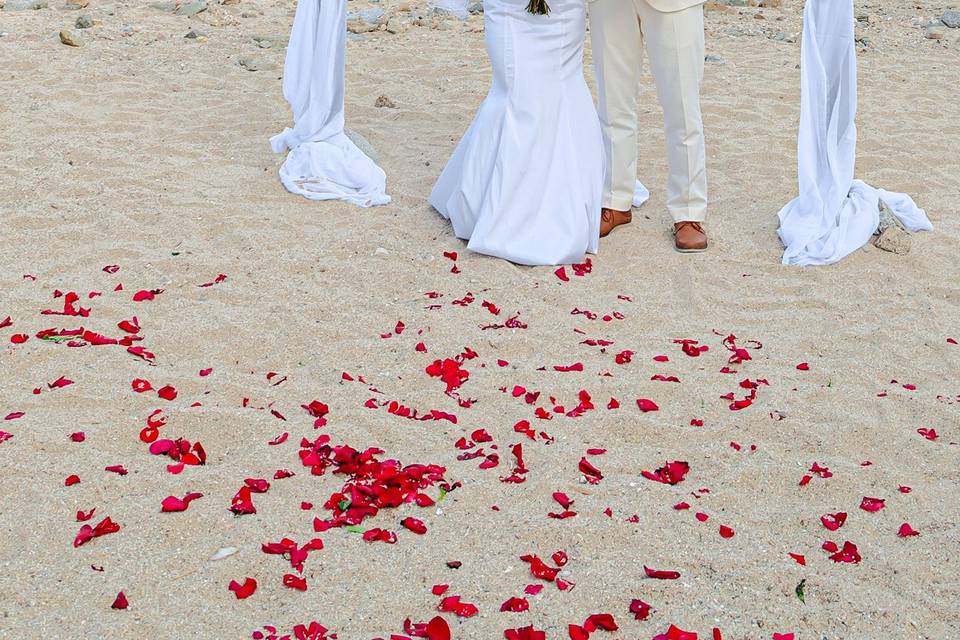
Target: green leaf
(343,505)
(443,494)
(355,528)
(58,338)
(799,591)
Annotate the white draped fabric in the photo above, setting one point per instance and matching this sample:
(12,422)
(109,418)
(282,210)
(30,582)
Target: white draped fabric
(323,164)
(834,214)
(525,182)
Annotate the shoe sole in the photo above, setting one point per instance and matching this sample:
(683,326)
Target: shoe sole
(704,250)
(622,224)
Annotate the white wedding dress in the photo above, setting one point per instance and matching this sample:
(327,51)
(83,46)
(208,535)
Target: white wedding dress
(526,180)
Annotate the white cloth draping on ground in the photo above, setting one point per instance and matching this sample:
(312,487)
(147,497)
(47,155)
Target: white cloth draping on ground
(323,164)
(834,214)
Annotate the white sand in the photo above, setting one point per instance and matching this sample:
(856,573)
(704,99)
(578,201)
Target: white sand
(150,151)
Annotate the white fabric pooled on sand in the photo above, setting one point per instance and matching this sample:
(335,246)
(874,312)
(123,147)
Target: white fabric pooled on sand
(834,214)
(323,164)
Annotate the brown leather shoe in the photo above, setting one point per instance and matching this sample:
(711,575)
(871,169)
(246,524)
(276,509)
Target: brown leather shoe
(689,237)
(611,218)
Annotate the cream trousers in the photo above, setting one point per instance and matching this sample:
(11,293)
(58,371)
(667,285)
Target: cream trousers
(620,31)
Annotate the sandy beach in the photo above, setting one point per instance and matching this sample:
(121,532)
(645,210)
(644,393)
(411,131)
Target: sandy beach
(135,169)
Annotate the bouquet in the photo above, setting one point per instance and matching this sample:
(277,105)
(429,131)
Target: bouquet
(538,7)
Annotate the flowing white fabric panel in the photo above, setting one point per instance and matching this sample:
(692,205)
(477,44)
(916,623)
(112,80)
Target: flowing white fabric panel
(834,214)
(323,164)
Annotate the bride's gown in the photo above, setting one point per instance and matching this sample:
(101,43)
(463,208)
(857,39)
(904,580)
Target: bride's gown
(525,182)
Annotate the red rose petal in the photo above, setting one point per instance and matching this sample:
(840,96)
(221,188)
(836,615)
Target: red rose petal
(872,505)
(640,609)
(245,590)
(172,504)
(661,574)
(647,405)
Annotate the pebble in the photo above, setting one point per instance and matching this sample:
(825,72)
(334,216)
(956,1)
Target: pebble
(399,24)
(225,552)
(25,5)
(895,240)
(951,18)
(366,20)
(363,144)
(249,64)
(384,101)
(71,38)
(276,42)
(935,32)
(191,8)
(83,22)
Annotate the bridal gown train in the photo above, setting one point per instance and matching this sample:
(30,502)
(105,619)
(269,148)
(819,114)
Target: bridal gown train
(525,182)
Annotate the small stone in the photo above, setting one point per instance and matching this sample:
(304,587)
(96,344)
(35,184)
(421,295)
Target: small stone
(363,144)
(443,12)
(935,32)
(895,240)
(476,8)
(191,7)
(25,5)
(399,24)
(380,251)
(73,5)
(366,20)
(249,64)
(83,22)
(384,101)
(710,57)
(951,18)
(71,38)
(276,41)
(225,552)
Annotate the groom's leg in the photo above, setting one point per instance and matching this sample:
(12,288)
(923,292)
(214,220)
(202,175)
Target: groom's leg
(618,59)
(675,46)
